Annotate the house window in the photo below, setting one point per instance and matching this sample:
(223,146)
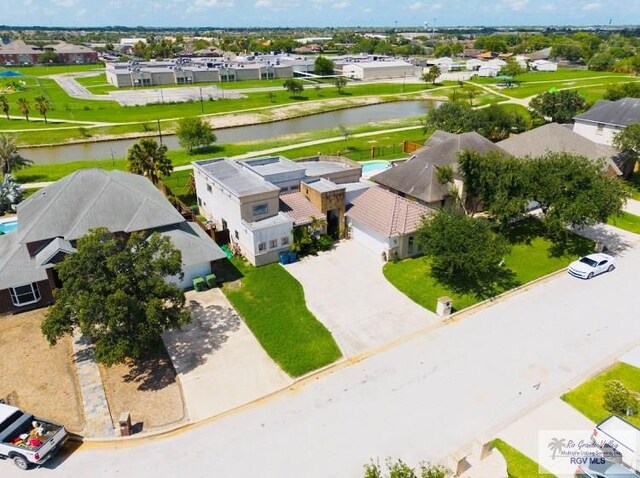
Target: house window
(25,294)
(273,244)
(260,209)
(209,187)
(284,241)
(262,247)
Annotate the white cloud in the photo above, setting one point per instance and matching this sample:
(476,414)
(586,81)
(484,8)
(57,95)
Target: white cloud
(341,5)
(276,5)
(424,6)
(200,5)
(589,7)
(518,5)
(549,7)
(64,3)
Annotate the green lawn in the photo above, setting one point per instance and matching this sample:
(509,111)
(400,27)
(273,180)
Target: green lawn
(634,184)
(532,256)
(588,398)
(52,70)
(519,465)
(627,221)
(272,304)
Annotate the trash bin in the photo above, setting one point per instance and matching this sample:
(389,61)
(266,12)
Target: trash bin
(293,256)
(443,309)
(284,258)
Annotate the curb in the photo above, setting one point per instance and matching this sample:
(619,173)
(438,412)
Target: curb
(302,381)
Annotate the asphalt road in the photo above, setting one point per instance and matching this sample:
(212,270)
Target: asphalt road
(419,400)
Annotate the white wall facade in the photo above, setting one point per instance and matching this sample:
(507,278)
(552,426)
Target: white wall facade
(266,243)
(191,272)
(596,132)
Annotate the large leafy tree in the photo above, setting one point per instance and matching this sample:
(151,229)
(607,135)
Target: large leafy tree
(323,66)
(4,106)
(452,118)
(628,140)
(293,86)
(560,106)
(43,106)
(10,158)
(570,190)
(466,254)
(512,68)
(194,133)
(431,75)
(114,291)
(149,159)
(573,191)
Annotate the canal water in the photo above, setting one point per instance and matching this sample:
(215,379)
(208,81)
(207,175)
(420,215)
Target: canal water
(105,150)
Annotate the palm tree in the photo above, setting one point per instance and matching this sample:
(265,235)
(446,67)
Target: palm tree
(10,159)
(43,106)
(23,106)
(4,105)
(10,193)
(149,159)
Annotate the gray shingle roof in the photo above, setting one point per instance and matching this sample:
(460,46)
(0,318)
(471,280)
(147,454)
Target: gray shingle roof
(417,177)
(556,138)
(92,198)
(16,267)
(618,113)
(195,245)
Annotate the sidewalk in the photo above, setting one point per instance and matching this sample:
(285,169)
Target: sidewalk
(633,207)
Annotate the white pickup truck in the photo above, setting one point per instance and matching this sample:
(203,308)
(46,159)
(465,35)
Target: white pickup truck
(623,437)
(28,440)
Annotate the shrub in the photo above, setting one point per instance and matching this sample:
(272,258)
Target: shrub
(618,399)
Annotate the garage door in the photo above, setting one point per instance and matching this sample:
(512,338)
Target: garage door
(369,239)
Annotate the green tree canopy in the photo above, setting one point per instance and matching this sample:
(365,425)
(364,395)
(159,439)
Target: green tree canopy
(4,106)
(194,133)
(431,75)
(149,159)
(10,193)
(114,291)
(628,140)
(10,158)
(512,68)
(340,82)
(43,105)
(560,106)
(571,190)
(465,253)
(323,66)
(24,107)
(293,86)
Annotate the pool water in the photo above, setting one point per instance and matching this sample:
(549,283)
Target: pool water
(8,226)
(369,168)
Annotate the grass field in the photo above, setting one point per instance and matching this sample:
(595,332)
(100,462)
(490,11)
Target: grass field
(532,256)
(628,222)
(588,398)
(272,304)
(519,465)
(51,70)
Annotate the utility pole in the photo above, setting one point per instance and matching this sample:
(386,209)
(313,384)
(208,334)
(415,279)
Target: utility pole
(159,131)
(201,102)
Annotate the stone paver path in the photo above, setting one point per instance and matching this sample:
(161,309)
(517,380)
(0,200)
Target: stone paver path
(96,408)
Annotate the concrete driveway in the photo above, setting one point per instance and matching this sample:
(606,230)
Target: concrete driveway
(219,362)
(346,290)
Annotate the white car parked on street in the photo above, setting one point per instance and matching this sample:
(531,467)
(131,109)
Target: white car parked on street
(588,266)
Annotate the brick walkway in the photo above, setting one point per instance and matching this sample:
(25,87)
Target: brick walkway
(96,408)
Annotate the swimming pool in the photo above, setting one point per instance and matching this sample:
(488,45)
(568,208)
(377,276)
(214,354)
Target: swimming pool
(8,226)
(369,168)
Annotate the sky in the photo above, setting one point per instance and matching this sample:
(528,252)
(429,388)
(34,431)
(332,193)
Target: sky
(316,13)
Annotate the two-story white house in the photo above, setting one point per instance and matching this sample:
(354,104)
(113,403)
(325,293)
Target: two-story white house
(260,201)
(606,118)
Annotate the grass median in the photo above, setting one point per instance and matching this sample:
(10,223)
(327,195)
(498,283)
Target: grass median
(271,302)
(627,221)
(519,465)
(588,398)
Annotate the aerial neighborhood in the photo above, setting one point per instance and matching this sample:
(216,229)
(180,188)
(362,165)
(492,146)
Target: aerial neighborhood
(378,252)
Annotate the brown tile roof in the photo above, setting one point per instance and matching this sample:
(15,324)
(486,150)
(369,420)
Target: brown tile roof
(299,208)
(387,213)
